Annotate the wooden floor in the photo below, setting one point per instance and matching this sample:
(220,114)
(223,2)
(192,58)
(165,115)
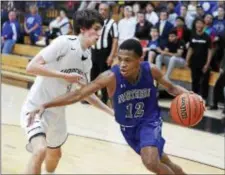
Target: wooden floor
(95,144)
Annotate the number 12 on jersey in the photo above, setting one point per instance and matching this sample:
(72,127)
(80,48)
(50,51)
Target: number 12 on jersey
(138,110)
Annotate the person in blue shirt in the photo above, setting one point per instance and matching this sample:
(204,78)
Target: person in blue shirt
(131,86)
(153,45)
(219,22)
(32,24)
(10,33)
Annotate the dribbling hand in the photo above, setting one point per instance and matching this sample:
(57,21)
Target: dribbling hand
(35,114)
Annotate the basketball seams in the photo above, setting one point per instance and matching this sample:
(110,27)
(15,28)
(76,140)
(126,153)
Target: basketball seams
(189,106)
(196,108)
(200,112)
(178,109)
(196,105)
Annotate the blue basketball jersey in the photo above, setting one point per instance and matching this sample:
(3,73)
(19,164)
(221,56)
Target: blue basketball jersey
(134,103)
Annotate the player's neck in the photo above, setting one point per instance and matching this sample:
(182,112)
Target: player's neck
(83,44)
(135,77)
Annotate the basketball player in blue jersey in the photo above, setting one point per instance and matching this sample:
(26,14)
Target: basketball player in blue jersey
(131,86)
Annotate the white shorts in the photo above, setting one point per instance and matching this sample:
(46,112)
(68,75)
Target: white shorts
(52,126)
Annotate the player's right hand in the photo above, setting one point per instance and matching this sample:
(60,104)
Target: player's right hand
(73,77)
(35,114)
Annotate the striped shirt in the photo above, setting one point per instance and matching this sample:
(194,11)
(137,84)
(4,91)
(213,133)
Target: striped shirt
(109,31)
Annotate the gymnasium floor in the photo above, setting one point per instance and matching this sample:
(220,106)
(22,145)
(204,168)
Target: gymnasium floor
(96,146)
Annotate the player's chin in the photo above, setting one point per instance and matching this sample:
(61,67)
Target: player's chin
(124,74)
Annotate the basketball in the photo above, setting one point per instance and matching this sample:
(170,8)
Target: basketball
(187,109)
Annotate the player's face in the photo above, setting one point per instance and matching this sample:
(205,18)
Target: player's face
(91,35)
(129,63)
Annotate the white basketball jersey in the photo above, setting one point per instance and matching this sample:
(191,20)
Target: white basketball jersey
(64,54)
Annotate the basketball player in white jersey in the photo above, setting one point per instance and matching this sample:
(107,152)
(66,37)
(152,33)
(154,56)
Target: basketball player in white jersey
(65,62)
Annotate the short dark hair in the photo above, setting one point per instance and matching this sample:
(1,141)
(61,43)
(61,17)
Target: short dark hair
(180,18)
(199,19)
(132,45)
(64,10)
(164,10)
(155,28)
(85,19)
(173,32)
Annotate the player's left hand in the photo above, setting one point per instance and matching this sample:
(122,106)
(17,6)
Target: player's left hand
(35,114)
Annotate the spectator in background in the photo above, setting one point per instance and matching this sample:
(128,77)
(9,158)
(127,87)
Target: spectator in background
(208,29)
(187,17)
(208,19)
(200,12)
(173,54)
(151,15)
(143,27)
(10,33)
(153,45)
(60,26)
(198,59)
(126,26)
(171,12)
(192,8)
(136,8)
(164,27)
(220,4)
(219,22)
(32,24)
(183,33)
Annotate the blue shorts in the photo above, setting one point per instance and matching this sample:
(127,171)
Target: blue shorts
(143,135)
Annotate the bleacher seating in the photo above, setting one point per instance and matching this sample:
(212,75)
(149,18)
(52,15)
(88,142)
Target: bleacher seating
(14,71)
(14,65)
(26,50)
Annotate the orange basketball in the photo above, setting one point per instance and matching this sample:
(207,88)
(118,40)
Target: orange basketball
(187,109)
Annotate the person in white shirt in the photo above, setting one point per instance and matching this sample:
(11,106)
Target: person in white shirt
(151,15)
(60,67)
(188,18)
(126,26)
(171,13)
(62,22)
(59,26)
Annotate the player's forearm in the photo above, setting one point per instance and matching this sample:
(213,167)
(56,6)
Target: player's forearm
(63,100)
(95,101)
(177,90)
(38,69)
